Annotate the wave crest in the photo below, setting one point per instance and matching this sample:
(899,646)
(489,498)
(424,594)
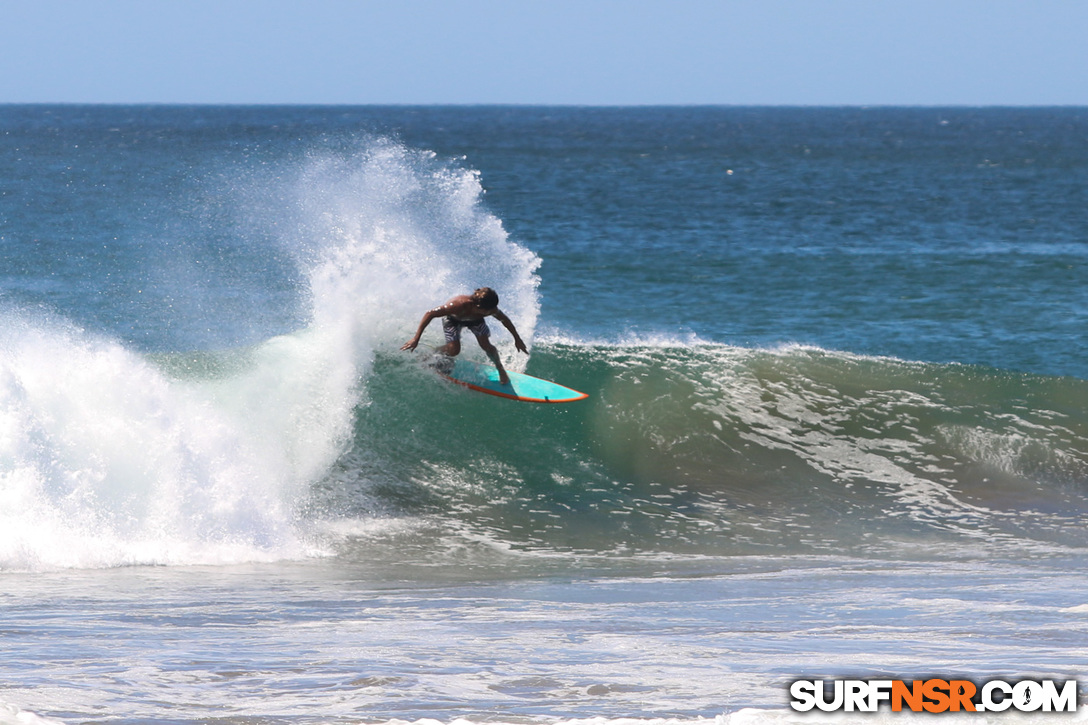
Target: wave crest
(111,457)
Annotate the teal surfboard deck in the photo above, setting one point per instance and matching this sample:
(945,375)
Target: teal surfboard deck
(485,379)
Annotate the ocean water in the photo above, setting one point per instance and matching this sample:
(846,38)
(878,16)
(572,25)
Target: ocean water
(837,424)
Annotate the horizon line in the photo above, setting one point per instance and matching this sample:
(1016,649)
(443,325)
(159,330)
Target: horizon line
(323,104)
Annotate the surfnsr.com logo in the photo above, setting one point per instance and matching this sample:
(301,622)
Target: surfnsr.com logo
(934,695)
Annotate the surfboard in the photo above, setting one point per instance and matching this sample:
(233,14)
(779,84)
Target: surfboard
(485,379)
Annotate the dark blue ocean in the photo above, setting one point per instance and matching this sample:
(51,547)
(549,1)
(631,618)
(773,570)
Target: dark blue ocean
(837,421)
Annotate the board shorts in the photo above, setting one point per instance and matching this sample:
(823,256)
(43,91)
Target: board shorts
(452,328)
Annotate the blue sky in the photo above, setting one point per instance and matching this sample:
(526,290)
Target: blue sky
(584,52)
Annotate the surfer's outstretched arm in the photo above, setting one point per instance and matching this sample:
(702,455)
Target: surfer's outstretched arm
(518,342)
(427,317)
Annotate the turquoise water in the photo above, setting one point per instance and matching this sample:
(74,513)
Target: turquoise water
(837,423)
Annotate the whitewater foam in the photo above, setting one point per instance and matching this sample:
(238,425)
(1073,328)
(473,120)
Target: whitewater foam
(108,461)
(12,715)
(108,457)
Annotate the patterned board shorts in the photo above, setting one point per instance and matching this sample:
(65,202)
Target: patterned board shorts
(452,328)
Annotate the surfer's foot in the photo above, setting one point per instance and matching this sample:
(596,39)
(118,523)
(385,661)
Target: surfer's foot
(504,379)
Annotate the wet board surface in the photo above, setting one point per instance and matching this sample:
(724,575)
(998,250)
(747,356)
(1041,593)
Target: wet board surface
(485,379)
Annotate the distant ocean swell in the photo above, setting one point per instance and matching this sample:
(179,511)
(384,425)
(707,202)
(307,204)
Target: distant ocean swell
(110,456)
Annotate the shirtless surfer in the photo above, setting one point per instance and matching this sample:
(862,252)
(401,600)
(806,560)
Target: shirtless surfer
(469,311)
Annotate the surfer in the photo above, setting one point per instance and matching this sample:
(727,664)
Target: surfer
(469,311)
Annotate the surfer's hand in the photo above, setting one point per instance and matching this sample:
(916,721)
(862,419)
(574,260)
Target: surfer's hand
(520,345)
(410,345)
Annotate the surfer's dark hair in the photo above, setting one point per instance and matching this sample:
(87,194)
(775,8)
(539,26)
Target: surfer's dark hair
(486,298)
